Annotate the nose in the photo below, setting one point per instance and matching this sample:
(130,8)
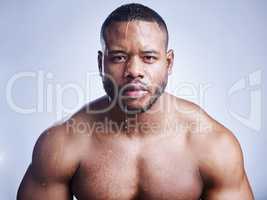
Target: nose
(134,68)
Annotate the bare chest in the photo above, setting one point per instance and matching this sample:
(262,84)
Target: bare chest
(157,174)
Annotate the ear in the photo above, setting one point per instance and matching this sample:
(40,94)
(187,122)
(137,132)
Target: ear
(170,58)
(99,61)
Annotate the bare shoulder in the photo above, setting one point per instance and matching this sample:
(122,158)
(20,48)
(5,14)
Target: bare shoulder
(56,158)
(217,153)
(205,132)
(216,148)
(49,155)
(54,155)
(220,154)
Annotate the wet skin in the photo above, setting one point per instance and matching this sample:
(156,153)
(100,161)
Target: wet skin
(172,151)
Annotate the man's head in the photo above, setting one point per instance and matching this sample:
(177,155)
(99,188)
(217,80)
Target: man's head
(135,59)
(132,12)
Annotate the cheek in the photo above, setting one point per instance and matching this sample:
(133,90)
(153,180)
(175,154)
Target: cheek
(114,72)
(157,74)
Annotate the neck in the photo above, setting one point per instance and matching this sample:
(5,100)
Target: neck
(142,122)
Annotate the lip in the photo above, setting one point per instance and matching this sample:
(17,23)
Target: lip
(134,91)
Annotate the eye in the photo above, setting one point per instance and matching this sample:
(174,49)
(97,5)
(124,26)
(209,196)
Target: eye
(118,58)
(150,59)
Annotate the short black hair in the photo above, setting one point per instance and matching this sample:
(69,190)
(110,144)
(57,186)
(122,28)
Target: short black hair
(130,12)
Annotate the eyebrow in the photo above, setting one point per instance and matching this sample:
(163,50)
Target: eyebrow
(150,52)
(116,52)
(123,52)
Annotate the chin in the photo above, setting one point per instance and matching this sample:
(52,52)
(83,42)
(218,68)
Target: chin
(135,106)
(138,105)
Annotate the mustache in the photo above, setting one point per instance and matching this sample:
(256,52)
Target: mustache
(136,85)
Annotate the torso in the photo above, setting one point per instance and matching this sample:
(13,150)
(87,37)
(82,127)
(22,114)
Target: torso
(125,168)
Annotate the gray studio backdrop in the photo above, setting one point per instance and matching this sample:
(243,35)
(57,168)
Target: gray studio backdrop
(48,68)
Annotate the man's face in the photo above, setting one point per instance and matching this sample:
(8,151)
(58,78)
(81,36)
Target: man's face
(136,62)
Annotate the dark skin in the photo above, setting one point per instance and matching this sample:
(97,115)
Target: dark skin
(199,158)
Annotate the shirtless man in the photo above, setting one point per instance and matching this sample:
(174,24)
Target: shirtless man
(137,142)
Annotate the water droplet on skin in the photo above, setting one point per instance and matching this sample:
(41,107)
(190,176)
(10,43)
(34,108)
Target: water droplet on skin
(43,184)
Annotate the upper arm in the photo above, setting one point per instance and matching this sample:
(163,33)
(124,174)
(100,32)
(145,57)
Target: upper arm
(48,175)
(223,169)
(33,188)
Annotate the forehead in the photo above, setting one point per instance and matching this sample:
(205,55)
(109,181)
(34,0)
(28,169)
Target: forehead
(133,34)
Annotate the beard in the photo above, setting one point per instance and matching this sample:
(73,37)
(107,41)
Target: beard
(113,91)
